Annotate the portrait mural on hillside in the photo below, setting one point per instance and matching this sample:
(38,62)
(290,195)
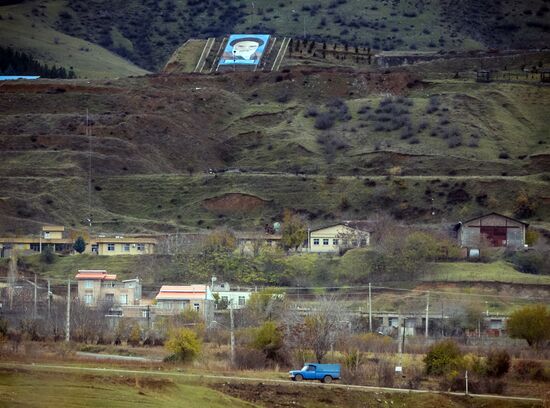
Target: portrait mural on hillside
(244,49)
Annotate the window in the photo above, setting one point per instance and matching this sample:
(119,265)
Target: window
(95,248)
(334,242)
(140,247)
(88,284)
(46,235)
(364,242)
(88,298)
(110,297)
(242,300)
(126,247)
(196,307)
(325,241)
(35,247)
(110,247)
(123,299)
(225,299)
(316,241)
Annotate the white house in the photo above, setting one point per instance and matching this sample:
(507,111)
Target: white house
(236,298)
(344,235)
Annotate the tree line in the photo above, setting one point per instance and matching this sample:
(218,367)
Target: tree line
(14,62)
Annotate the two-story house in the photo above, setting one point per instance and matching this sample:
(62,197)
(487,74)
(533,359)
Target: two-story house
(97,288)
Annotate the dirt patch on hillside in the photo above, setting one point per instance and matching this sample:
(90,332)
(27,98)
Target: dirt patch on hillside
(58,88)
(234,202)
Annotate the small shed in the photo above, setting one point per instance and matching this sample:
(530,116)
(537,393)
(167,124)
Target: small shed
(494,229)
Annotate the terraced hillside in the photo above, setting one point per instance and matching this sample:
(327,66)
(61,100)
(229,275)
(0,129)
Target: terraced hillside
(328,143)
(146,33)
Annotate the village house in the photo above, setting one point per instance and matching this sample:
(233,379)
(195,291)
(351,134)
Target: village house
(121,245)
(56,238)
(97,288)
(250,243)
(344,235)
(495,230)
(53,236)
(236,299)
(172,300)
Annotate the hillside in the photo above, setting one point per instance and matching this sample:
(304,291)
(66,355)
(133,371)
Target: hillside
(326,142)
(148,32)
(30,27)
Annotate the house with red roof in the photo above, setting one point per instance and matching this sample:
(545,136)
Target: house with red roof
(175,299)
(97,287)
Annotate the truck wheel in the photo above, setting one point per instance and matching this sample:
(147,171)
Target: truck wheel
(327,379)
(298,377)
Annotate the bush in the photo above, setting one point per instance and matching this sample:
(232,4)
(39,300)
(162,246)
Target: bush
(135,335)
(47,255)
(529,370)
(324,121)
(268,339)
(497,364)
(183,344)
(443,357)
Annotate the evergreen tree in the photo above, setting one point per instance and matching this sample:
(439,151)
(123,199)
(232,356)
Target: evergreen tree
(79,245)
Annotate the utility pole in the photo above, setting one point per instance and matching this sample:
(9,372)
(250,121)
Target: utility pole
(370,309)
(466,378)
(427,311)
(68,323)
(49,300)
(34,310)
(232,332)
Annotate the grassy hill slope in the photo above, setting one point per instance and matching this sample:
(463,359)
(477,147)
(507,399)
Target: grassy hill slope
(326,142)
(147,33)
(29,27)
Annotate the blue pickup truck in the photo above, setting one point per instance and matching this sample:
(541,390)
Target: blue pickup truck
(313,371)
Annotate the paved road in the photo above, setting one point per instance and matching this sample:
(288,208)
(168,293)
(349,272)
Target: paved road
(53,367)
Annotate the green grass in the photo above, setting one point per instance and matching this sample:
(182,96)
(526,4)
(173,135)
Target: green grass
(38,389)
(186,57)
(51,388)
(500,271)
(23,31)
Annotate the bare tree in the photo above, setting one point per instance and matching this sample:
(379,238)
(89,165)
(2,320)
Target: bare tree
(320,328)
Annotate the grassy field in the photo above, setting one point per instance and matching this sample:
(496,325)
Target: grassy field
(42,389)
(501,272)
(26,30)
(33,388)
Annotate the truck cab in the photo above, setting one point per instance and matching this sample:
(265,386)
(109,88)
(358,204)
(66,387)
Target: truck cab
(313,371)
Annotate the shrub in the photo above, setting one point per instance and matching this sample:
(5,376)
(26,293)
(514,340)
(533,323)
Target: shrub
(529,370)
(311,111)
(135,335)
(268,339)
(47,255)
(498,363)
(324,121)
(183,344)
(443,357)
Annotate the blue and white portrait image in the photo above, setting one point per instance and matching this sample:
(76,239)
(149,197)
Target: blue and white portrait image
(244,49)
